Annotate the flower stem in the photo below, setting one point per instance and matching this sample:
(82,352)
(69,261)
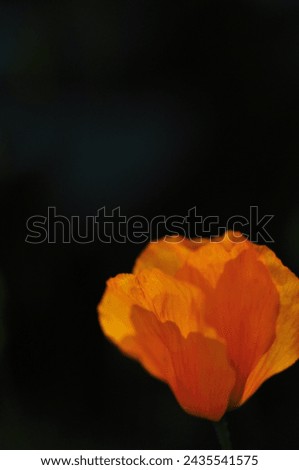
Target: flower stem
(223,435)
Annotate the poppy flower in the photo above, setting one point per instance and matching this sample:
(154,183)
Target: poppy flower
(212,318)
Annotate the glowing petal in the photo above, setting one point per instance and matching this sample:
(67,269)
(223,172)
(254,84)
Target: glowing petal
(285,348)
(196,368)
(153,290)
(167,254)
(243,308)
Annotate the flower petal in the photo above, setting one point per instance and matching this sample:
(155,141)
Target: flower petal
(243,308)
(205,265)
(153,290)
(114,309)
(195,367)
(167,254)
(172,253)
(285,348)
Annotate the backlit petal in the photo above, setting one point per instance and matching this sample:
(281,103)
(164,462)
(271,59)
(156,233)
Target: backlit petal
(285,348)
(243,308)
(195,367)
(167,254)
(204,266)
(153,290)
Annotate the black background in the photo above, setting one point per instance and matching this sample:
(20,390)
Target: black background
(155,107)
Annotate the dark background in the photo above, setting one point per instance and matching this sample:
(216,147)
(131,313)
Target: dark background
(155,107)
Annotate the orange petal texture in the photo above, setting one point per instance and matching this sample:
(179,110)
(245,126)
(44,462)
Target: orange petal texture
(212,318)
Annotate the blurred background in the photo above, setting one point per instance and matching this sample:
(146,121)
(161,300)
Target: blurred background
(155,107)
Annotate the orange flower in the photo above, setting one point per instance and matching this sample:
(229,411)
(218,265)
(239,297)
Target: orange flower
(213,319)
